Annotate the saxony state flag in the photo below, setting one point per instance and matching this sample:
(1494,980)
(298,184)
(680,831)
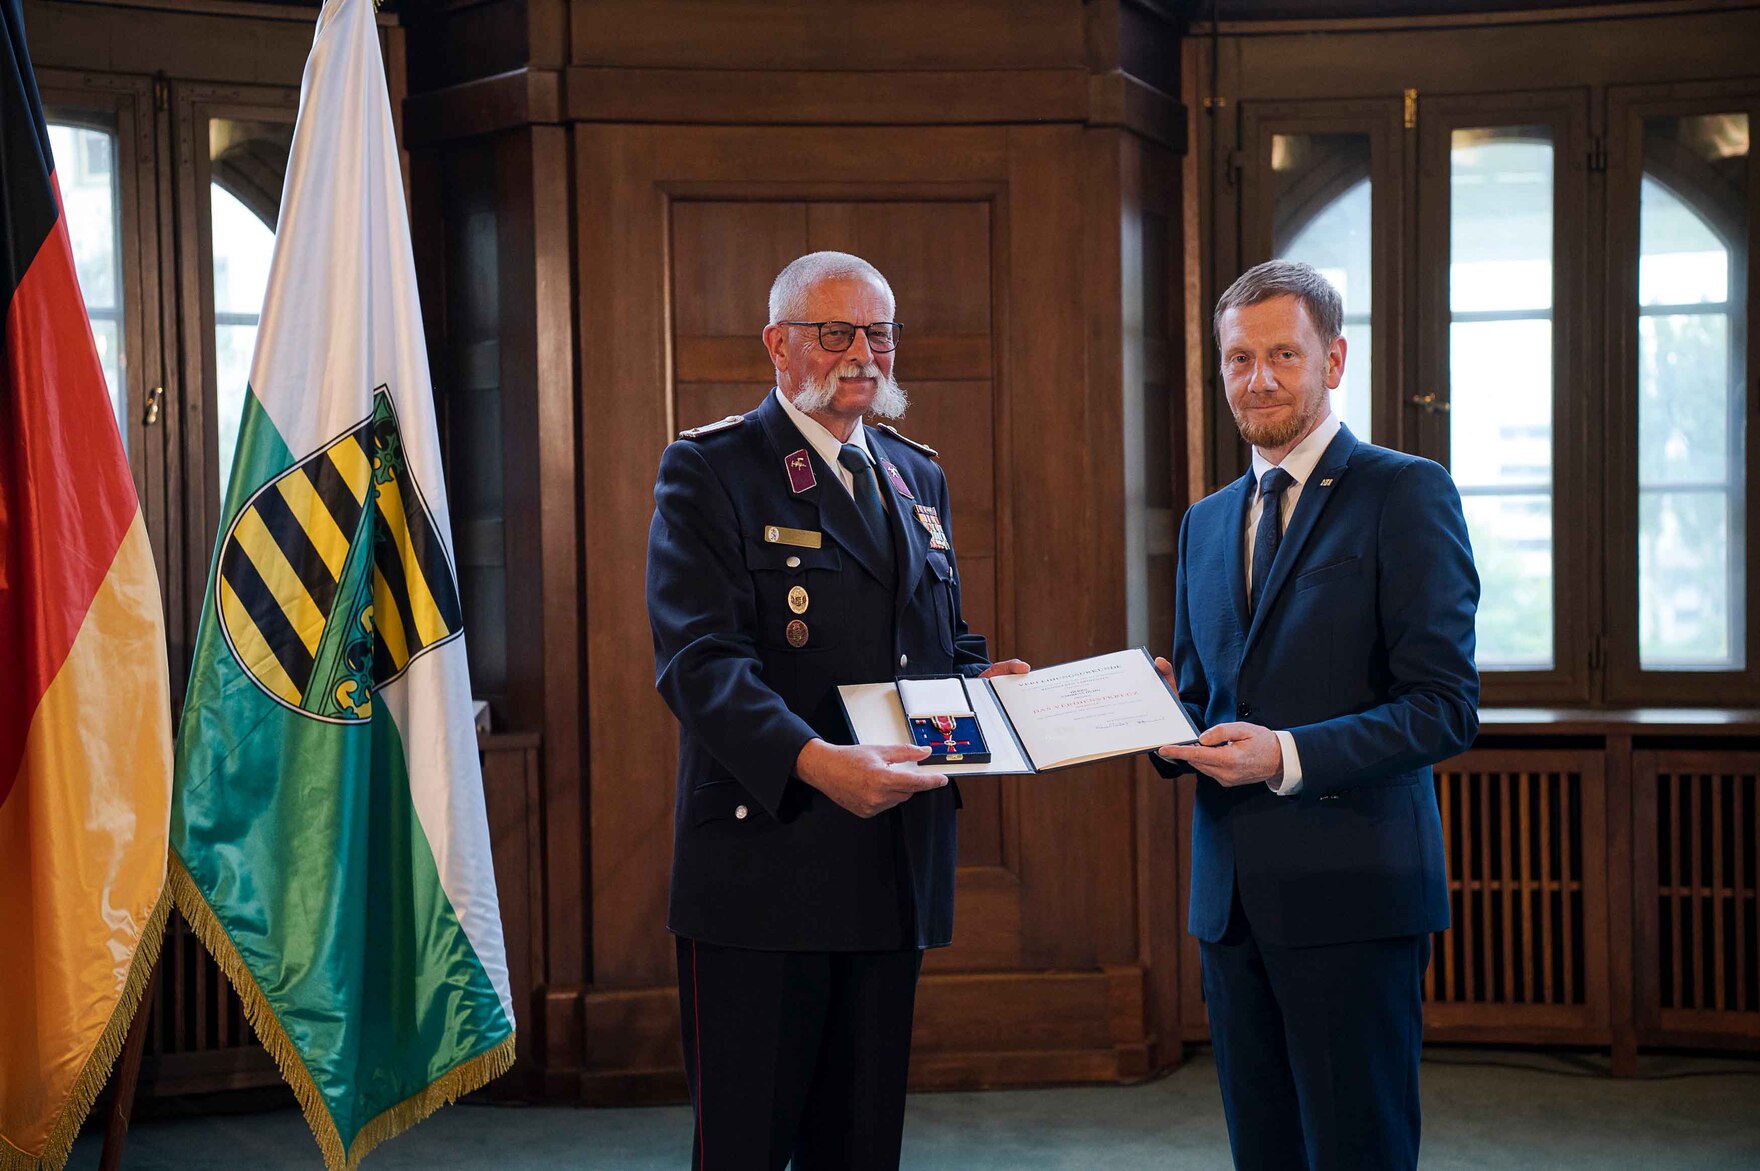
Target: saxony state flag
(327,828)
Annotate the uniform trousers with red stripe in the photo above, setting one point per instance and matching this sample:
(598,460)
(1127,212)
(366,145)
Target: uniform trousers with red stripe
(796,1055)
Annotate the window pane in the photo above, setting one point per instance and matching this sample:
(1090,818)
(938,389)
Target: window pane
(85,170)
(249,160)
(1512,548)
(1500,382)
(1322,217)
(1684,577)
(1692,420)
(1500,200)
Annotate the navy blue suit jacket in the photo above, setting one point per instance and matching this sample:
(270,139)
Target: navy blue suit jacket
(796,871)
(1362,649)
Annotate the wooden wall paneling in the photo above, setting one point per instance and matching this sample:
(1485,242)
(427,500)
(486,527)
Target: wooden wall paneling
(513,803)
(1078,868)
(626,420)
(1126,261)
(558,488)
(1055,857)
(936,253)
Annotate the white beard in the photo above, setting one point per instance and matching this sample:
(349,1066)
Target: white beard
(890,400)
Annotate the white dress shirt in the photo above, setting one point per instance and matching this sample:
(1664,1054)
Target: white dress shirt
(826,444)
(1299,463)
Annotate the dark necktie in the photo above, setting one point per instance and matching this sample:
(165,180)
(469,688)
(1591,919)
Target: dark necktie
(867,488)
(1270,530)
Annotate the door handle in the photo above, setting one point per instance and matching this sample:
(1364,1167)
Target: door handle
(154,396)
(1429,403)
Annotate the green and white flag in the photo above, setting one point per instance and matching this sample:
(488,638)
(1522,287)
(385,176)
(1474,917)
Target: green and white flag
(328,837)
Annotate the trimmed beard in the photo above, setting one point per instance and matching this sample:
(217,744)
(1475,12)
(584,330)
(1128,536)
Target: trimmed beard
(890,400)
(1276,435)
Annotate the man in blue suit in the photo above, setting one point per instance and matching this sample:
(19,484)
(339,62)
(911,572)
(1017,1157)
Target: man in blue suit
(793,549)
(1323,634)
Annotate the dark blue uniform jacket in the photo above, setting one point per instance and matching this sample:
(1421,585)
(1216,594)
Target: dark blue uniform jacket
(1361,648)
(761,859)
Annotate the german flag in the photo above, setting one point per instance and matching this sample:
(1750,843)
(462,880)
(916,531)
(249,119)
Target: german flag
(85,729)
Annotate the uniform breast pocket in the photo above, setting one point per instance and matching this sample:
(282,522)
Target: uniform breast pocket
(939,580)
(798,599)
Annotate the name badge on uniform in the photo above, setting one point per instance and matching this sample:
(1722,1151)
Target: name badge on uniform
(800,472)
(898,484)
(800,538)
(931,522)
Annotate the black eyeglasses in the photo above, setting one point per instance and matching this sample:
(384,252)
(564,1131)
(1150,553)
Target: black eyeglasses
(838,336)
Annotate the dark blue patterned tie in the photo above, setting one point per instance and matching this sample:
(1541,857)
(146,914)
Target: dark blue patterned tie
(1270,530)
(867,488)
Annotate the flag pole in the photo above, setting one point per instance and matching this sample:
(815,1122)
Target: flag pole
(128,1074)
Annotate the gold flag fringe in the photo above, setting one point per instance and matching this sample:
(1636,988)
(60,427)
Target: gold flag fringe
(461,1079)
(103,1059)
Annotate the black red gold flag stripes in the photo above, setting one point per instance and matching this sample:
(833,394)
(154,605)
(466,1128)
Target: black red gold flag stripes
(84,705)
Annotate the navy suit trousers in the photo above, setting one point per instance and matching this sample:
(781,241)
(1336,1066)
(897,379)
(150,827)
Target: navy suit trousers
(1317,1049)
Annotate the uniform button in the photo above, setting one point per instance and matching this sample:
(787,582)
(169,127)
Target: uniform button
(741,813)
(903,662)
(793,562)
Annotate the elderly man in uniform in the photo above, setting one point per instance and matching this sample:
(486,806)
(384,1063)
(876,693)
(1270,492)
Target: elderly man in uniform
(794,549)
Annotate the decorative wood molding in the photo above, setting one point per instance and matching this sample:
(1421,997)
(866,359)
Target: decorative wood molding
(505,101)
(1511,16)
(877,98)
(1118,99)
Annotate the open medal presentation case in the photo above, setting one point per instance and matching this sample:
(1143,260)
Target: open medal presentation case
(942,718)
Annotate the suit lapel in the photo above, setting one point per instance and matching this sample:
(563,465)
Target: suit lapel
(1316,493)
(1235,558)
(838,517)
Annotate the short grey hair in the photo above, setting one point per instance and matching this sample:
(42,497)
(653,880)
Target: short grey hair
(1285,278)
(788,292)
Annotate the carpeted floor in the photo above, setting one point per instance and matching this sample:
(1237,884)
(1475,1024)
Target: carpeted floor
(1482,1109)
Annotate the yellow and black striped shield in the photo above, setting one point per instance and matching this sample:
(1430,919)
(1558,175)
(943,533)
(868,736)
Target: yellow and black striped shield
(333,577)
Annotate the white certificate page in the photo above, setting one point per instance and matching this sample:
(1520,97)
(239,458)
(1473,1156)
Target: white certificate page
(1091,709)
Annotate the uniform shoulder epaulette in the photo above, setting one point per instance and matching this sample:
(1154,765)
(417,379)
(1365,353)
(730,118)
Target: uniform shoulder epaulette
(706,429)
(908,441)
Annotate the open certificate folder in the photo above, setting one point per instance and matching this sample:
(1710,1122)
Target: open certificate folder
(1050,718)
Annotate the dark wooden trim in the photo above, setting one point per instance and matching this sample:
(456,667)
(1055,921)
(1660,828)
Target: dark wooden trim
(486,105)
(296,13)
(1511,16)
(878,98)
(1118,99)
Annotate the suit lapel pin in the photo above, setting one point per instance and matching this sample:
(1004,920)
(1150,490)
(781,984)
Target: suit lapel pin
(1327,482)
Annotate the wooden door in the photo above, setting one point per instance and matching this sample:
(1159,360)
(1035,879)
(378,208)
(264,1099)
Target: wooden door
(979,232)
